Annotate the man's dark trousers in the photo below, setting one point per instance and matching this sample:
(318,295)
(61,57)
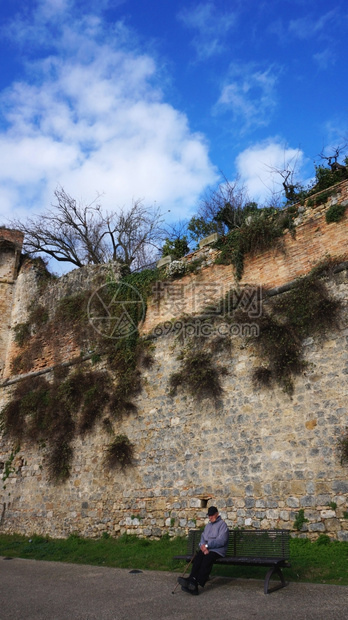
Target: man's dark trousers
(202,565)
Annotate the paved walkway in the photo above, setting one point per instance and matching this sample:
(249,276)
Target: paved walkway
(32,590)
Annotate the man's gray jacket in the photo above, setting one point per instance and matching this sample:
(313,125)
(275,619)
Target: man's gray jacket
(215,535)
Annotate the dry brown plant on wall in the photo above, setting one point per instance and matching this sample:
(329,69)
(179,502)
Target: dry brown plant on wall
(306,310)
(198,374)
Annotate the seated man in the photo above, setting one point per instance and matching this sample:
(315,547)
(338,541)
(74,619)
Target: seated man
(213,544)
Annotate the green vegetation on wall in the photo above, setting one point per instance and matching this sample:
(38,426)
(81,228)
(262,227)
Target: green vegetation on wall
(261,231)
(335,213)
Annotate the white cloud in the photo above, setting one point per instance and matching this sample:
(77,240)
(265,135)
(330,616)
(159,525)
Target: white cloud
(212,28)
(92,118)
(249,94)
(307,27)
(325,59)
(257,165)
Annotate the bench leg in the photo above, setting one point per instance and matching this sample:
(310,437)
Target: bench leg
(282,584)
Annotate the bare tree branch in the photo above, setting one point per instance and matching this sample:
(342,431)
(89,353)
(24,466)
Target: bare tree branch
(84,234)
(334,165)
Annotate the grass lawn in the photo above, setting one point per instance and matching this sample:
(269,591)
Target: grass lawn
(320,562)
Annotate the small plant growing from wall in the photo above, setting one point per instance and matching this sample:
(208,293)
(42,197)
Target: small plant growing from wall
(120,452)
(21,333)
(300,520)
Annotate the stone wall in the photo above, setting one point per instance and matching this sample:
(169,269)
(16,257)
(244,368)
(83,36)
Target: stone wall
(259,455)
(10,250)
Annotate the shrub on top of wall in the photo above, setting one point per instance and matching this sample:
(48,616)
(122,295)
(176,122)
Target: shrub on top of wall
(335,213)
(263,231)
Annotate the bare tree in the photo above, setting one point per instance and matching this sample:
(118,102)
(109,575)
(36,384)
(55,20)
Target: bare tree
(230,197)
(220,209)
(332,159)
(83,234)
(290,186)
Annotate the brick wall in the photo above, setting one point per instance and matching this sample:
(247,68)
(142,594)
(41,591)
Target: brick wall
(314,241)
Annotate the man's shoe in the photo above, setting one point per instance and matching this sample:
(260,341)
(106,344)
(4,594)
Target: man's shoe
(191,590)
(183,581)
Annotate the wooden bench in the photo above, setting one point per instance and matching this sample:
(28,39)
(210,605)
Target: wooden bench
(269,548)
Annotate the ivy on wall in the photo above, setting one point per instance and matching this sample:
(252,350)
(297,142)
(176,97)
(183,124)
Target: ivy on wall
(198,375)
(286,320)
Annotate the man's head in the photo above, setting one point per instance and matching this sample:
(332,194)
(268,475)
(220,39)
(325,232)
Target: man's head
(213,513)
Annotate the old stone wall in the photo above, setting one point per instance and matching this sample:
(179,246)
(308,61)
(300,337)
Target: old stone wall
(257,454)
(10,250)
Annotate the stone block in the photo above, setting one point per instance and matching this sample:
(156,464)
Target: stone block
(293,502)
(195,503)
(307,501)
(332,525)
(316,527)
(298,487)
(340,486)
(166,260)
(272,514)
(327,514)
(208,240)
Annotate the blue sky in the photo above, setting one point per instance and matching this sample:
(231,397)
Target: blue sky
(153,99)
